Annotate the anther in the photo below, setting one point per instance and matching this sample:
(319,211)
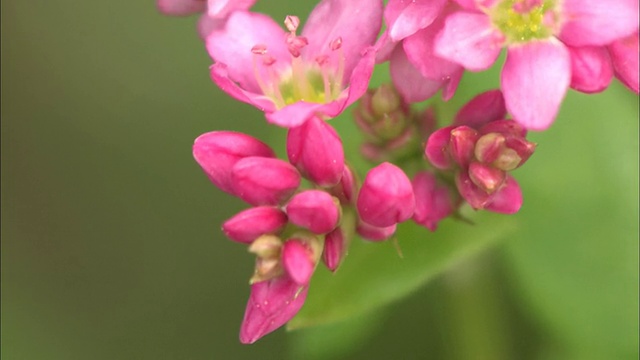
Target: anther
(259,49)
(336,43)
(292,22)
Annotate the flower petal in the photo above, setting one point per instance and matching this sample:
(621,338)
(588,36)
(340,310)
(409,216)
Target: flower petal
(597,22)
(483,108)
(507,200)
(357,22)
(470,40)
(591,69)
(404,18)
(232,45)
(271,304)
(181,7)
(220,9)
(624,55)
(534,80)
(408,80)
(220,76)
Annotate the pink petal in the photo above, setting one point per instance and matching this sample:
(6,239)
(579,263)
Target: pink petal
(207,25)
(220,9)
(384,47)
(314,210)
(404,18)
(249,224)
(591,69)
(357,22)
(483,108)
(507,200)
(374,233)
(220,76)
(335,249)
(470,40)
(232,46)
(534,80)
(181,7)
(264,181)
(271,304)
(437,148)
(597,22)
(420,50)
(408,80)
(624,55)
(298,261)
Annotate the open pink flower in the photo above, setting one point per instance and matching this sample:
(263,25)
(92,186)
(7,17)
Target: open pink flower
(537,35)
(292,77)
(416,71)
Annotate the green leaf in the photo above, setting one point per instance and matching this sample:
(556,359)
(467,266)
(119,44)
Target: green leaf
(374,275)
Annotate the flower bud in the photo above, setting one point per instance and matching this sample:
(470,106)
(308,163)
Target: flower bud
(298,261)
(624,57)
(483,108)
(487,178)
(316,150)
(264,181)
(249,224)
(386,196)
(488,147)
(314,210)
(271,304)
(381,114)
(335,249)
(374,233)
(433,201)
(437,149)
(346,188)
(475,196)
(463,142)
(218,151)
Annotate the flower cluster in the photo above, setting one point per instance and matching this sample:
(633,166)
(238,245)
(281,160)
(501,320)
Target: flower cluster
(307,209)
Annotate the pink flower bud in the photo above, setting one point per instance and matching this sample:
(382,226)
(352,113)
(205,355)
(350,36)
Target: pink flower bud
(520,146)
(487,178)
(624,56)
(374,233)
(508,199)
(335,249)
(346,188)
(591,69)
(298,261)
(463,142)
(433,201)
(483,108)
(386,196)
(314,210)
(249,224)
(271,304)
(264,181)
(218,151)
(437,149)
(316,150)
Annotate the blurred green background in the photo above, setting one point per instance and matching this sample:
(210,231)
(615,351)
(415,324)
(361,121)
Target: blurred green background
(111,247)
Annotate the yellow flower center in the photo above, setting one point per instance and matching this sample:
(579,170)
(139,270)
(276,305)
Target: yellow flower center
(524,20)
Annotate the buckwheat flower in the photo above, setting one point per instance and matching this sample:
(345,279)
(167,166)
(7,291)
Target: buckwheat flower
(537,34)
(416,70)
(292,77)
(624,56)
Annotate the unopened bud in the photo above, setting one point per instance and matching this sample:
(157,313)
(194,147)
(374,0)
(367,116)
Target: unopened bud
(298,261)
(218,151)
(437,149)
(264,181)
(346,188)
(315,210)
(484,108)
(488,147)
(375,233)
(434,202)
(386,196)
(335,249)
(249,224)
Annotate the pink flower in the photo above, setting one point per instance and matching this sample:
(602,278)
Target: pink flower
(416,70)
(289,77)
(544,39)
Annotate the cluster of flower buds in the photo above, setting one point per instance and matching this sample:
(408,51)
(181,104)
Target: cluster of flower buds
(288,228)
(391,128)
(480,148)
